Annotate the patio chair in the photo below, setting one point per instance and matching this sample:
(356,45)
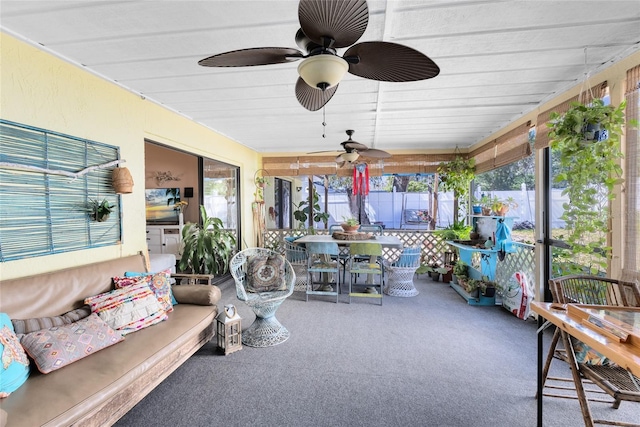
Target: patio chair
(264,279)
(374,229)
(612,379)
(334,227)
(371,228)
(323,260)
(372,267)
(401,272)
(297,256)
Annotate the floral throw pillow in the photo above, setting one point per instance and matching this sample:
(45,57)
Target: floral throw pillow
(59,346)
(265,273)
(158,282)
(14,369)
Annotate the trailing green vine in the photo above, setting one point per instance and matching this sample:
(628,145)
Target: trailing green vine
(587,138)
(456,176)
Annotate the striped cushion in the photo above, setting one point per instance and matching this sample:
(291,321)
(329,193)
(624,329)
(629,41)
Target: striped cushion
(25,326)
(128,309)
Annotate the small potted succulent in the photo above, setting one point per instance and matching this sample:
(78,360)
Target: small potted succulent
(350,225)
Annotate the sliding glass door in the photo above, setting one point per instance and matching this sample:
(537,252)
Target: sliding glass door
(220,192)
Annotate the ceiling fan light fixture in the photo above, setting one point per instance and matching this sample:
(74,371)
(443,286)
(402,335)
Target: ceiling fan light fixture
(323,71)
(350,157)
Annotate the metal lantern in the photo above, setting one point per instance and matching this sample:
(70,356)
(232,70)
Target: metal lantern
(229,329)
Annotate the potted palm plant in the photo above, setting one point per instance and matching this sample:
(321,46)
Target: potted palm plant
(207,247)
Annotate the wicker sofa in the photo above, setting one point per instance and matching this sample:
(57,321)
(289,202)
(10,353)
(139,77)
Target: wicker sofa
(99,389)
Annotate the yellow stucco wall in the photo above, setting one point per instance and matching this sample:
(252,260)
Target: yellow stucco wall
(41,90)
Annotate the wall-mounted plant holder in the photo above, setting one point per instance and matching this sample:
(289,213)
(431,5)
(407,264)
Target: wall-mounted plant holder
(99,210)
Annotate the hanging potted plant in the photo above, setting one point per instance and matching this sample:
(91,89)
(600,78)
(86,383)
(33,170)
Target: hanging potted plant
(261,181)
(589,170)
(99,210)
(456,176)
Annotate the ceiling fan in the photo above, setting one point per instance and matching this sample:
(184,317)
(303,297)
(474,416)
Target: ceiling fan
(325,26)
(354,150)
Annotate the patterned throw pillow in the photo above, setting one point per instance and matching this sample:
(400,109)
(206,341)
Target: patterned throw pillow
(588,356)
(128,309)
(265,273)
(59,346)
(14,369)
(158,282)
(25,326)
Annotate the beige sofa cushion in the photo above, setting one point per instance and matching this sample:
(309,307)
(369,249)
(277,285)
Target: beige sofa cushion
(51,294)
(75,389)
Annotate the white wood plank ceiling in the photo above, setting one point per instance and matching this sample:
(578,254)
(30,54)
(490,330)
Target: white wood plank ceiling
(498,60)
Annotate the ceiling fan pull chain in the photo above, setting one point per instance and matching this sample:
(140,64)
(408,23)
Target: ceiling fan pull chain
(324,123)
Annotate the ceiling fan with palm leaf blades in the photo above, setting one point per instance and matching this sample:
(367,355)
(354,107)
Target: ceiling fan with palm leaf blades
(327,25)
(354,150)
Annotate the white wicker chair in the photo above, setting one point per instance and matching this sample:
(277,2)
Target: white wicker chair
(266,330)
(401,272)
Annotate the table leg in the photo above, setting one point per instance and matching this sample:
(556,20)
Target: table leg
(540,352)
(582,397)
(371,289)
(326,286)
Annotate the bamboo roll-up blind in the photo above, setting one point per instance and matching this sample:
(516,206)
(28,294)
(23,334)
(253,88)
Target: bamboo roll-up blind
(280,166)
(46,213)
(508,148)
(326,165)
(631,258)
(317,165)
(415,163)
(542,130)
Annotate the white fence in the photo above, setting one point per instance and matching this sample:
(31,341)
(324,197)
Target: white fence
(387,207)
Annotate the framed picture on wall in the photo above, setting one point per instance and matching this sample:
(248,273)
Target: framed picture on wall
(160,205)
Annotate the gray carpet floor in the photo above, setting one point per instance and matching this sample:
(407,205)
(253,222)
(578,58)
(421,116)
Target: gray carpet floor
(430,360)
